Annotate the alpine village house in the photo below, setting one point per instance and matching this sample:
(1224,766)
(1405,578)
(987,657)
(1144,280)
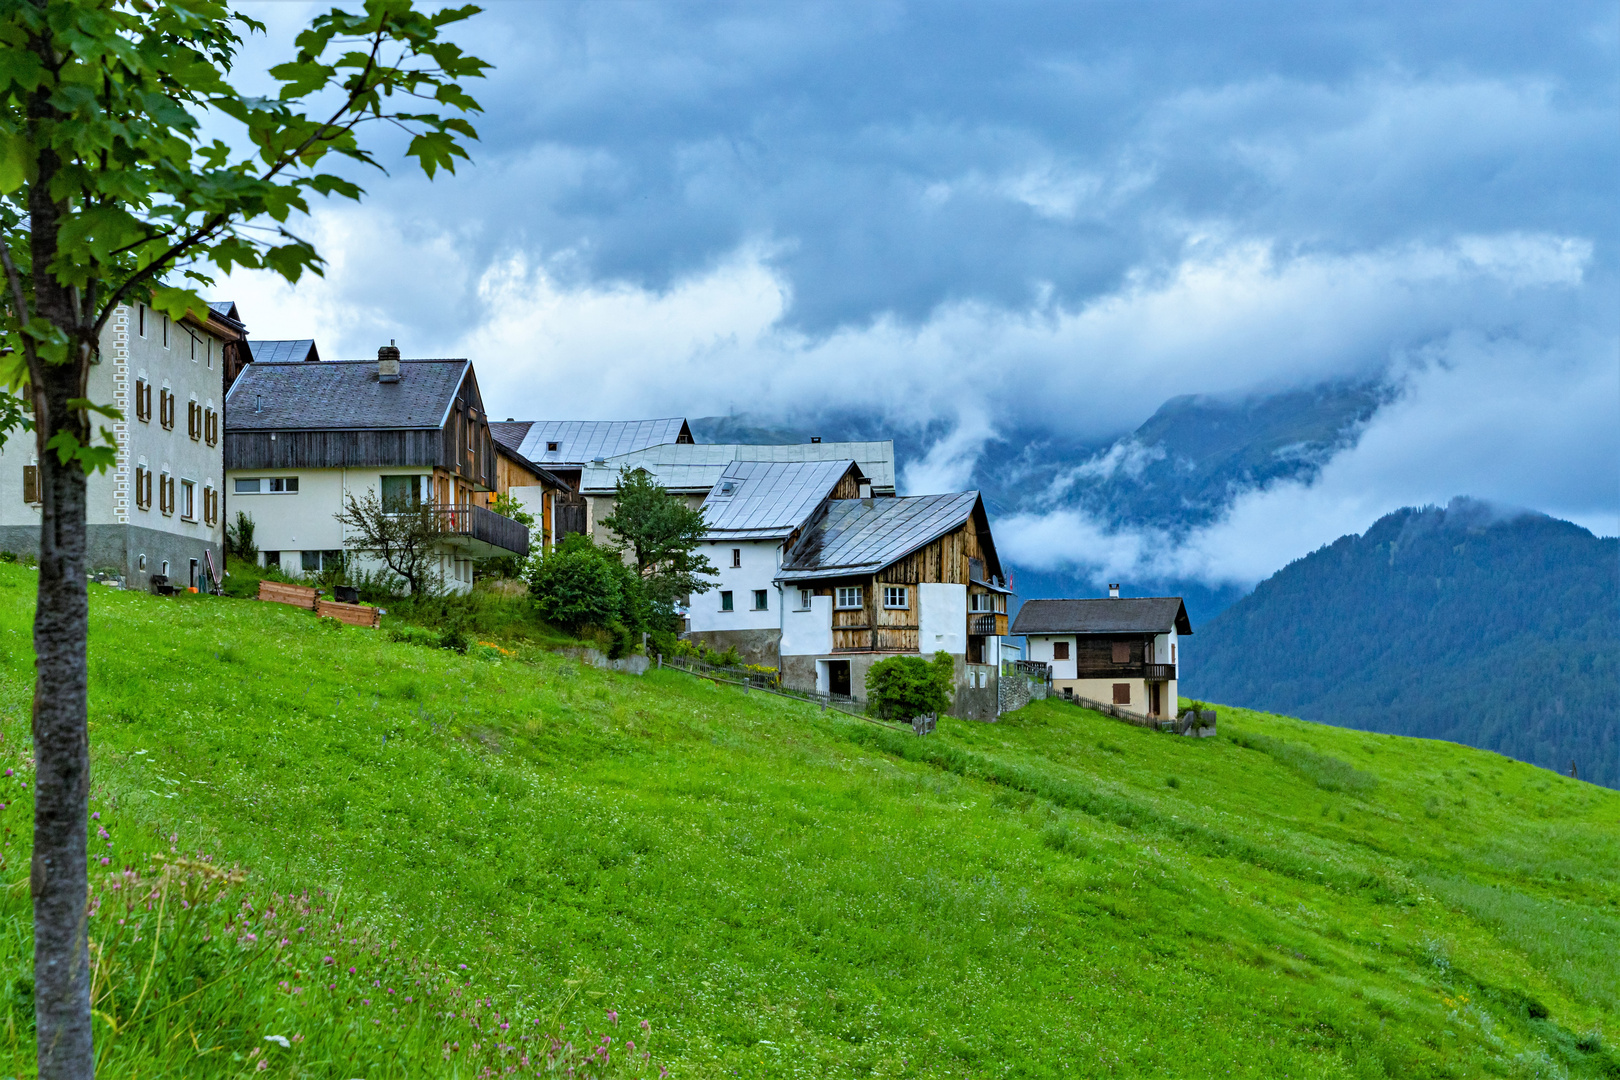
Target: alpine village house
(302,436)
(156,516)
(1118,651)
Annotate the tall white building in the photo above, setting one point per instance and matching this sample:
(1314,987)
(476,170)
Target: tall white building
(159,510)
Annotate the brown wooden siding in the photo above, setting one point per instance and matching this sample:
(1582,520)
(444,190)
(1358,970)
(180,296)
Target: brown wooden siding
(847,488)
(1094,656)
(331,449)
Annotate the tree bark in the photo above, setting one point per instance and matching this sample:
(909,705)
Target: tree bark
(59,879)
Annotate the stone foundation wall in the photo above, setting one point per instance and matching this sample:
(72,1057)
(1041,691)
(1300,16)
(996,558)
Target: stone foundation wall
(119,547)
(763,647)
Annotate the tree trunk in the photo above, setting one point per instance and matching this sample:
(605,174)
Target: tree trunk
(60,873)
(60,879)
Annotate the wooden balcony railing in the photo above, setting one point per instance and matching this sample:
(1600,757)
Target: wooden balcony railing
(988,624)
(480,523)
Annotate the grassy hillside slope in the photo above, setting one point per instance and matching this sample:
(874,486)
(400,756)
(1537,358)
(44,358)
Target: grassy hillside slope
(781,892)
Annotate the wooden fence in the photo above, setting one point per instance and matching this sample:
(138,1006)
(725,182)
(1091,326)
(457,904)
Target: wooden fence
(279,592)
(353,614)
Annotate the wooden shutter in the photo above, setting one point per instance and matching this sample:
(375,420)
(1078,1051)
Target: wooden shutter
(1122,652)
(1122,693)
(194,420)
(1060,650)
(143,401)
(31,484)
(166,409)
(211,427)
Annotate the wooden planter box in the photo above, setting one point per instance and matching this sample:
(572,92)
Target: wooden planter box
(353,614)
(302,596)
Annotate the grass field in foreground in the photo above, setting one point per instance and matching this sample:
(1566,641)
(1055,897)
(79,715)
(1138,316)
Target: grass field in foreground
(781,892)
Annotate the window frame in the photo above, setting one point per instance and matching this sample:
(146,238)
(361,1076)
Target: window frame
(838,598)
(762,600)
(736,558)
(805,596)
(727,600)
(1060,650)
(905,598)
(188,500)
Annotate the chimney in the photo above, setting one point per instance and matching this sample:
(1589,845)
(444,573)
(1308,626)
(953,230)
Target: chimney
(815,438)
(388,363)
(864,487)
(1113,591)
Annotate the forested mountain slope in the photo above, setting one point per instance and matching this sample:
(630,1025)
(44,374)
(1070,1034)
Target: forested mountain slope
(446,856)
(1462,623)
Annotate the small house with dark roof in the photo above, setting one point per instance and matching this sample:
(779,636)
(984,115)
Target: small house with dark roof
(872,578)
(540,492)
(1121,650)
(301,437)
(754,514)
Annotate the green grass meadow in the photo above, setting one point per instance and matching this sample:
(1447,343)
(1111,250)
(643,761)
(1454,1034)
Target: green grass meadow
(380,853)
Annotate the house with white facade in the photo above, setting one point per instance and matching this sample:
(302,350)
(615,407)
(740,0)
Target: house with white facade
(755,513)
(300,437)
(870,578)
(158,510)
(1120,651)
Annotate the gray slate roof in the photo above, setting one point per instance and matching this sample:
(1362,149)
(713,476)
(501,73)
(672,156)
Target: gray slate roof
(509,433)
(769,499)
(342,395)
(696,467)
(277,352)
(862,536)
(1122,615)
(581,441)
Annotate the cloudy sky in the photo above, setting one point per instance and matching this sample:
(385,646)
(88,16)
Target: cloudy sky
(1000,220)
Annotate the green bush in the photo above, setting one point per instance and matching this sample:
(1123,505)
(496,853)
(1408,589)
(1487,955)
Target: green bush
(578,585)
(902,687)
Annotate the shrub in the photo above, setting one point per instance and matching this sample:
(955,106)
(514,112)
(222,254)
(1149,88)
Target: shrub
(577,585)
(902,687)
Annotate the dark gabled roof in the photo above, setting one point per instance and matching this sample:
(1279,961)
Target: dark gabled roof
(862,536)
(510,433)
(766,500)
(277,352)
(580,441)
(342,395)
(1121,615)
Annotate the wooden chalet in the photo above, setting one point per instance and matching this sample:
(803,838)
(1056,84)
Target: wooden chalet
(1118,651)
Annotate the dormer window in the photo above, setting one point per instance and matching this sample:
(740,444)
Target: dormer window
(552,448)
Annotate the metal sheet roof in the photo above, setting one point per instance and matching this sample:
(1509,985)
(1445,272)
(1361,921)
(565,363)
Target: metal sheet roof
(861,536)
(342,395)
(582,441)
(1110,615)
(697,467)
(277,352)
(769,499)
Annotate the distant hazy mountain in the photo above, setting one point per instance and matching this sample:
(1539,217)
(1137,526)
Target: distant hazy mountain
(1502,632)
(1177,471)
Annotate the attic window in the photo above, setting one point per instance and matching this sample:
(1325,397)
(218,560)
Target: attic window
(552,448)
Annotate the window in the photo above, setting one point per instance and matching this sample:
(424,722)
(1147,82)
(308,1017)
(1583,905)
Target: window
(736,557)
(804,599)
(208,352)
(211,505)
(1122,652)
(248,487)
(725,600)
(143,488)
(166,409)
(270,485)
(166,495)
(193,338)
(401,493)
(31,485)
(1068,693)
(1122,693)
(140,327)
(143,401)
(211,427)
(272,558)
(315,561)
(984,602)
(188,500)
(1060,650)
(165,334)
(848,597)
(194,421)
(551,447)
(896,596)
(761,601)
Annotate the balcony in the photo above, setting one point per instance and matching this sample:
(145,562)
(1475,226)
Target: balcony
(1158,672)
(481,531)
(989,624)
